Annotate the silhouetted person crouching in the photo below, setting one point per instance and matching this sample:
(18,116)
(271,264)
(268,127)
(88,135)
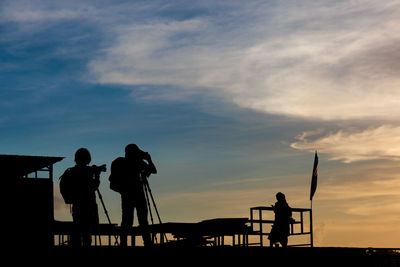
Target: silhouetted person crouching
(78,186)
(127,174)
(283,218)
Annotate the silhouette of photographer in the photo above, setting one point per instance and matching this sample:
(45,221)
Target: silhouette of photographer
(127,177)
(78,186)
(283,218)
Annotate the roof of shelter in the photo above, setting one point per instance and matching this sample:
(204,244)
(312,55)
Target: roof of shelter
(19,165)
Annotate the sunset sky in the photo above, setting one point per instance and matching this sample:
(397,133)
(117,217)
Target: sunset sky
(231,99)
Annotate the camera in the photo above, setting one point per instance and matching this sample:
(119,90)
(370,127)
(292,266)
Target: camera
(98,169)
(145,155)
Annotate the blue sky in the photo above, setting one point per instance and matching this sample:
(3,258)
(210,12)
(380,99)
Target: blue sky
(230,98)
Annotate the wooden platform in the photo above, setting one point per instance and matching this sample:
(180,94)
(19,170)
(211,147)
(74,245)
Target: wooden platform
(219,256)
(206,232)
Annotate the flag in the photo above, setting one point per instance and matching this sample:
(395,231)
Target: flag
(314,176)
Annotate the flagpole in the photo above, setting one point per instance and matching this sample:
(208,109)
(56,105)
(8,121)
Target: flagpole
(311,228)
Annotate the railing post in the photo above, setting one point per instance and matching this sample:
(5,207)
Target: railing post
(311,229)
(301,222)
(261,230)
(251,218)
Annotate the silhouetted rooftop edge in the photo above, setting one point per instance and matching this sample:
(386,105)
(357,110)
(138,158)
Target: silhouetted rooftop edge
(20,165)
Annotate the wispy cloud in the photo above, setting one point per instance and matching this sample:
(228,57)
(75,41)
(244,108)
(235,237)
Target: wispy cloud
(43,11)
(326,60)
(334,62)
(331,61)
(350,146)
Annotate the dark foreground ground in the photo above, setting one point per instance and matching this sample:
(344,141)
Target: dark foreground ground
(210,256)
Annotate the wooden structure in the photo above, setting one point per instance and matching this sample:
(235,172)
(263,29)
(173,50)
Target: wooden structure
(214,232)
(29,182)
(235,232)
(104,235)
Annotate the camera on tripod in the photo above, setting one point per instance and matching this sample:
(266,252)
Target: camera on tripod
(144,155)
(98,169)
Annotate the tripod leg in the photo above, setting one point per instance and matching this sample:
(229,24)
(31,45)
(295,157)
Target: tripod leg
(149,208)
(154,204)
(106,212)
(148,204)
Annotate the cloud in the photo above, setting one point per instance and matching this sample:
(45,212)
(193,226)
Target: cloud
(331,60)
(335,62)
(351,146)
(42,11)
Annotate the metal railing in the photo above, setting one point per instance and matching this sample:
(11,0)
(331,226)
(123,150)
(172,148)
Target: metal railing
(258,222)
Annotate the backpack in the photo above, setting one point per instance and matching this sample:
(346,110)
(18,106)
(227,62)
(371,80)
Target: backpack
(67,188)
(117,174)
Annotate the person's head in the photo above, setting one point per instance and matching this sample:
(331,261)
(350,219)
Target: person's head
(280,197)
(132,151)
(82,156)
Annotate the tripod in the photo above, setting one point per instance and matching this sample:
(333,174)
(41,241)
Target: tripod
(106,212)
(148,193)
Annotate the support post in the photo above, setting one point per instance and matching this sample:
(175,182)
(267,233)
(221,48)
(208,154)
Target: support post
(261,230)
(311,228)
(301,222)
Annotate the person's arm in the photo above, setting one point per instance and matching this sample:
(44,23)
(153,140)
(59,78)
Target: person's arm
(96,182)
(151,166)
